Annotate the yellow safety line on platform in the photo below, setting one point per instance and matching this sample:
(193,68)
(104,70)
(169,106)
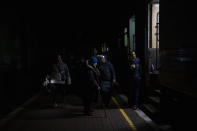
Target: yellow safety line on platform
(125,115)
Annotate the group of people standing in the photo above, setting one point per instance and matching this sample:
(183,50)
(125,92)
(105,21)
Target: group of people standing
(101,77)
(97,76)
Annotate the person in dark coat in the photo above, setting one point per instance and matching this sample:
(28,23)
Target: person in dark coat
(63,70)
(59,79)
(108,78)
(93,85)
(134,78)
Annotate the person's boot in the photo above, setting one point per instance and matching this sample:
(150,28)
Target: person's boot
(87,112)
(55,105)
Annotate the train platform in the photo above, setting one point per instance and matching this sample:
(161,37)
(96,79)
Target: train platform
(38,114)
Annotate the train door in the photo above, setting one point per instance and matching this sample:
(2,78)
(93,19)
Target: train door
(153,36)
(153,59)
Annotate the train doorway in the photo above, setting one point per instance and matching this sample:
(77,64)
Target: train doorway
(153,36)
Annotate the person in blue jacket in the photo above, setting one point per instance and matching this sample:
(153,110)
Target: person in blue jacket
(108,78)
(134,78)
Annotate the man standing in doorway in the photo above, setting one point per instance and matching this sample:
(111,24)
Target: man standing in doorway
(134,78)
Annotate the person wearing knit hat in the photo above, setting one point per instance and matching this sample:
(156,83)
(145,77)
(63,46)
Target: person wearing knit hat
(94,59)
(93,85)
